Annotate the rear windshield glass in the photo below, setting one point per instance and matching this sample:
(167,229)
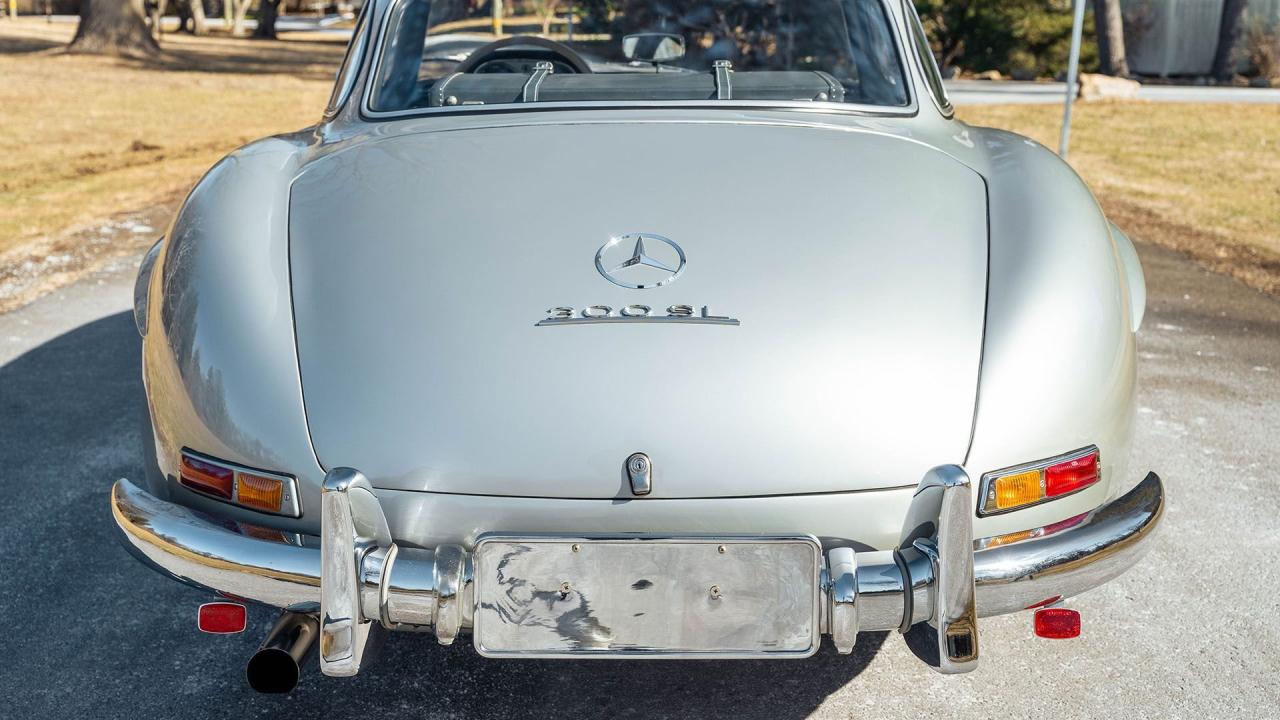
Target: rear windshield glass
(448,53)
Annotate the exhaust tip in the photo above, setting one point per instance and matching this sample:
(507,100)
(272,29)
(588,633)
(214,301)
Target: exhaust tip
(277,665)
(272,670)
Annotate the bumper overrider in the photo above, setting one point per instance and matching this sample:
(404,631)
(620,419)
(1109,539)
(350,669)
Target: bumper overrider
(359,582)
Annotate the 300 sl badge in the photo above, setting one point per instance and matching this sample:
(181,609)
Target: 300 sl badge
(593,314)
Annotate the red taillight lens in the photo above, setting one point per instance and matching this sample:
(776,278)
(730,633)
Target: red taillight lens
(221,618)
(1057,623)
(207,477)
(1072,475)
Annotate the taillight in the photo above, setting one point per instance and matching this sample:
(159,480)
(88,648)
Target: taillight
(1034,483)
(256,489)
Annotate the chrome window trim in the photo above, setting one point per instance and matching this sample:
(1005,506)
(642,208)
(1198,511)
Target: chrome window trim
(987,478)
(349,71)
(910,109)
(925,55)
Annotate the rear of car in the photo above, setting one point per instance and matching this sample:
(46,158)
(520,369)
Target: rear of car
(655,340)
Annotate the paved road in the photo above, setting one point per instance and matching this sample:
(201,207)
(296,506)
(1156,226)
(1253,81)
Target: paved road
(1194,633)
(982,92)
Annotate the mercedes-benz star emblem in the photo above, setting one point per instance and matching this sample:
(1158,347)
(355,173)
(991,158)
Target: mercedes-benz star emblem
(640,260)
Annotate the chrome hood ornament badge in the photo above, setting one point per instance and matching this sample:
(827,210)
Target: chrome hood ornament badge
(640,260)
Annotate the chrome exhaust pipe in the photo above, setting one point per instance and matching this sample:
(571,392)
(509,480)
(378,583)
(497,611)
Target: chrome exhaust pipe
(277,665)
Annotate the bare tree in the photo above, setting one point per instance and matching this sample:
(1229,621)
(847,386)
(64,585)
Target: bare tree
(113,27)
(1109,23)
(1228,31)
(268,11)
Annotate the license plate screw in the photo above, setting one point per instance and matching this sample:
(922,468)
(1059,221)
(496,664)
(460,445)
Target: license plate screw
(565,587)
(715,592)
(576,547)
(721,549)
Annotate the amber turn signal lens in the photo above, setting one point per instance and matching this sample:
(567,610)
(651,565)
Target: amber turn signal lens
(258,492)
(1017,490)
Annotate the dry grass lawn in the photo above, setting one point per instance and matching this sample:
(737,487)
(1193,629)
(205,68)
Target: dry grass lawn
(86,139)
(1202,179)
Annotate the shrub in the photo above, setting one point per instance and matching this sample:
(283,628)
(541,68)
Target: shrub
(1016,37)
(1261,50)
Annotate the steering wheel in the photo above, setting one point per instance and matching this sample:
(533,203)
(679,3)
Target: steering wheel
(508,51)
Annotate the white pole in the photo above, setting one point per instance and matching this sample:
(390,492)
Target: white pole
(1073,72)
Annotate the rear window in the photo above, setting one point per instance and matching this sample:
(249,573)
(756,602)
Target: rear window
(452,53)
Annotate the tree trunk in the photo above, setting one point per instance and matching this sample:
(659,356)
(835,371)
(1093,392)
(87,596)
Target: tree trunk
(1224,66)
(549,15)
(199,26)
(240,8)
(267,13)
(192,12)
(1109,23)
(155,14)
(112,27)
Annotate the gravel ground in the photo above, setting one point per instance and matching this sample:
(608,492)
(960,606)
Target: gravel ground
(1187,634)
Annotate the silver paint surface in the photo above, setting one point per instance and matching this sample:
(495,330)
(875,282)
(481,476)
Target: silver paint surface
(860,338)
(1048,296)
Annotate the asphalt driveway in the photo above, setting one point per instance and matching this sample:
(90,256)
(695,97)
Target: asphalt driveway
(1194,632)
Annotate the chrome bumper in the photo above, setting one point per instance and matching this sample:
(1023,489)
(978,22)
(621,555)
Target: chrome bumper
(361,583)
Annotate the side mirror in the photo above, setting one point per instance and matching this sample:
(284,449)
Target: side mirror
(653,47)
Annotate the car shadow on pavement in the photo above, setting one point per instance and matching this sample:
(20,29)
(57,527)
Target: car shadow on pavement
(95,634)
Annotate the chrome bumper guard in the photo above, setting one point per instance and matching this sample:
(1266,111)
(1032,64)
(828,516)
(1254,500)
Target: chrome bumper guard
(361,583)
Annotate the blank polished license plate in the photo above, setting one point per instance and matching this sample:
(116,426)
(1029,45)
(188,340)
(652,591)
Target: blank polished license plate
(646,597)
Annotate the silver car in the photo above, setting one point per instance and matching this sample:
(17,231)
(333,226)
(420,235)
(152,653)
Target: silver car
(684,330)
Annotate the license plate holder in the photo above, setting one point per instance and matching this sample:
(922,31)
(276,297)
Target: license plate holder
(633,596)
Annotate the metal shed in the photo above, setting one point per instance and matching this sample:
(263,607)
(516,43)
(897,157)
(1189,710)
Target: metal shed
(1178,37)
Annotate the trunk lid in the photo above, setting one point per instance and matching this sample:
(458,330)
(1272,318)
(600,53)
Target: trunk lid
(855,262)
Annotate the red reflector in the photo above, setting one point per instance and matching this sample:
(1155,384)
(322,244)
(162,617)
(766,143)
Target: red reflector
(1067,477)
(206,477)
(1057,623)
(221,618)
